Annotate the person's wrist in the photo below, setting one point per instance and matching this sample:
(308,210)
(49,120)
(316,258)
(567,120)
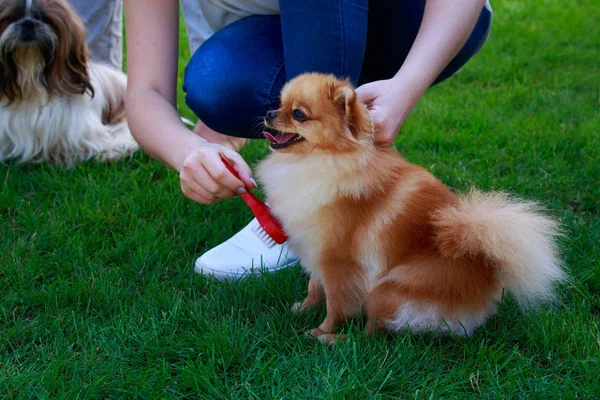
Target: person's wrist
(177,156)
(412,83)
(404,98)
(407,91)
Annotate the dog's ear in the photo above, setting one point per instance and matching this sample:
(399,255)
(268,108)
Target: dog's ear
(355,113)
(346,98)
(9,89)
(66,69)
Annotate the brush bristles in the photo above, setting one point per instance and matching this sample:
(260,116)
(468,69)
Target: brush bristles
(264,236)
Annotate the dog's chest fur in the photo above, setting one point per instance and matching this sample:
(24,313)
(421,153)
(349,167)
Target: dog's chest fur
(296,193)
(304,194)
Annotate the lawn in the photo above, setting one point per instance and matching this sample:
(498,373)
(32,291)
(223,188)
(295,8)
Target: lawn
(98,298)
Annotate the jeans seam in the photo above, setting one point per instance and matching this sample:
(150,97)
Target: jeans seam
(343,38)
(270,95)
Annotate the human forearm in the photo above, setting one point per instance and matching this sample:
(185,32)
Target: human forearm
(445,28)
(157,127)
(152,53)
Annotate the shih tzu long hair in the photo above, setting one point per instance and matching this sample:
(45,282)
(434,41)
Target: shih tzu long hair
(55,105)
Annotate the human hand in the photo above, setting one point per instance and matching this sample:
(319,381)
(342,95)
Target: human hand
(389,102)
(205,179)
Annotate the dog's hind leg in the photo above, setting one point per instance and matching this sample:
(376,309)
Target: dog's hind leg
(393,306)
(381,305)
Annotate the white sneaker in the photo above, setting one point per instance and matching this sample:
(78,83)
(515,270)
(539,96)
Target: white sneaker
(245,252)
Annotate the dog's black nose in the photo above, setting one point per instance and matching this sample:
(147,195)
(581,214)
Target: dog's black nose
(27,32)
(28,24)
(271,115)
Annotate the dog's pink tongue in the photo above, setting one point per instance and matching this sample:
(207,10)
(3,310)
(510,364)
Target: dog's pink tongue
(279,138)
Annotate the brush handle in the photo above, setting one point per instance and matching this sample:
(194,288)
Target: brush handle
(261,211)
(248,197)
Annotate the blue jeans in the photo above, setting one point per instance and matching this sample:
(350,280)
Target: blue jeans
(235,77)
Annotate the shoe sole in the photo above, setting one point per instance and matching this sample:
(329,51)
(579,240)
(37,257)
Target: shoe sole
(205,270)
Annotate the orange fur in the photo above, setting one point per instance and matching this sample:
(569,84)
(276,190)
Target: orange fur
(383,236)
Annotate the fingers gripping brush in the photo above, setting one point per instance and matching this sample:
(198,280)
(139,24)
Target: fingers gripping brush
(271,231)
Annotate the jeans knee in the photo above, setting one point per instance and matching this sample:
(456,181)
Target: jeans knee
(211,96)
(228,91)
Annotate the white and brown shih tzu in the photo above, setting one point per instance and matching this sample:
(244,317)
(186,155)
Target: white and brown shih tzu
(55,105)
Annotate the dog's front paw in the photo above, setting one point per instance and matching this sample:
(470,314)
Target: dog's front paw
(298,307)
(330,339)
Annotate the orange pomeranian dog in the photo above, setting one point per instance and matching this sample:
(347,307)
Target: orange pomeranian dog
(381,236)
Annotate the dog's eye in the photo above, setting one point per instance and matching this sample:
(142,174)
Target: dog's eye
(299,115)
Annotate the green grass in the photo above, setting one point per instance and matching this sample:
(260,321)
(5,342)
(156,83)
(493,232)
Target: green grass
(98,297)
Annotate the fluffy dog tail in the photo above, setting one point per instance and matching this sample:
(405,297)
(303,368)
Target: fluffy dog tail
(513,236)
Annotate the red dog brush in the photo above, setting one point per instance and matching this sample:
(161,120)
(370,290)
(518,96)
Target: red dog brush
(271,232)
